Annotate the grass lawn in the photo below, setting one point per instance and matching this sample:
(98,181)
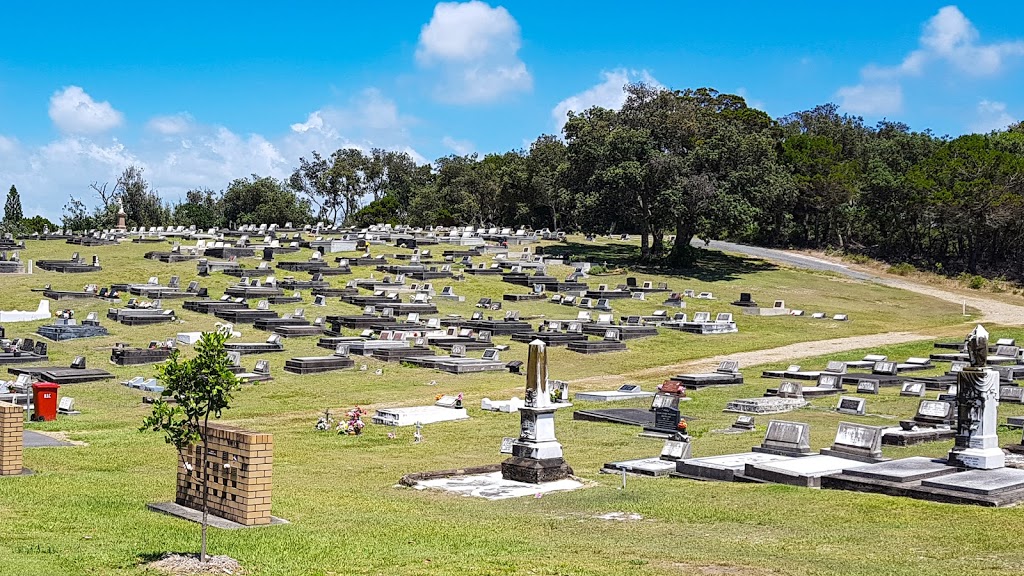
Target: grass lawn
(83,512)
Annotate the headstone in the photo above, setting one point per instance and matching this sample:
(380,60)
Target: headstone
(675,449)
(851,405)
(912,388)
(935,413)
(867,386)
(885,368)
(976,444)
(1013,394)
(745,423)
(537,454)
(666,412)
(786,438)
(789,389)
(857,441)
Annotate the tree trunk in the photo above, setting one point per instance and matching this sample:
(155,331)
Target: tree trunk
(682,253)
(206,481)
(658,244)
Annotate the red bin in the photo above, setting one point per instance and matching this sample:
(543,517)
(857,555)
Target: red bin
(44,396)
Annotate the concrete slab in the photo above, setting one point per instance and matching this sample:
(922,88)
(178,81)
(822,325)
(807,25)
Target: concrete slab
(193,515)
(903,470)
(984,482)
(492,486)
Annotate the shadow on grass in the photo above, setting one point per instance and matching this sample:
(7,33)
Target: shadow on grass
(711,266)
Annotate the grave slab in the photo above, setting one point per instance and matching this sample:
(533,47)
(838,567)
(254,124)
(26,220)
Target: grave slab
(643,466)
(422,414)
(983,482)
(806,472)
(903,470)
(492,486)
(727,468)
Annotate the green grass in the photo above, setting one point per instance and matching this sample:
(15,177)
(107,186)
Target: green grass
(83,512)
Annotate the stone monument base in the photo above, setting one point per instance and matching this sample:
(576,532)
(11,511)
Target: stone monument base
(535,471)
(981,458)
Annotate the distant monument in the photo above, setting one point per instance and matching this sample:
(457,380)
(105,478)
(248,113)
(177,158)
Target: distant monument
(536,455)
(121,217)
(977,401)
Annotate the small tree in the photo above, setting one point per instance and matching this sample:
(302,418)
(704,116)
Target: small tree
(199,388)
(12,209)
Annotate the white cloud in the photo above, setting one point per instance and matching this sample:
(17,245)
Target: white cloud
(172,125)
(475,48)
(74,111)
(948,38)
(608,93)
(368,120)
(742,92)
(991,116)
(7,145)
(460,147)
(178,153)
(871,99)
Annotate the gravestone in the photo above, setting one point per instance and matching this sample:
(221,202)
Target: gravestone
(912,388)
(935,413)
(788,389)
(786,439)
(976,444)
(885,368)
(745,423)
(676,448)
(666,413)
(851,405)
(536,454)
(867,386)
(830,381)
(1013,394)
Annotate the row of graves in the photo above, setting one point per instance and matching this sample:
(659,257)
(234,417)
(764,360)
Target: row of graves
(75,265)
(973,472)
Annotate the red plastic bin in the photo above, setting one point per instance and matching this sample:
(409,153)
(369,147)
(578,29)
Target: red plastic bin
(44,396)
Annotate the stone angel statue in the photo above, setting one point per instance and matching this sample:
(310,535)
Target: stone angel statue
(977,347)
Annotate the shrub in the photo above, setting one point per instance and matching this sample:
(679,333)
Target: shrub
(597,269)
(902,269)
(856,258)
(974,282)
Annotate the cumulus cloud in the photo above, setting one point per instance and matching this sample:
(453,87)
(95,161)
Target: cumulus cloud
(947,38)
(7,145)
(368,120)
(950,37)
(871,99)
(75,112)
(460,147)
(991,116)
(187,154)
(475,49)
(172,125)
(608,93)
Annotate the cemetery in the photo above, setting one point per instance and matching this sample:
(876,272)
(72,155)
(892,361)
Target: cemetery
(671,416)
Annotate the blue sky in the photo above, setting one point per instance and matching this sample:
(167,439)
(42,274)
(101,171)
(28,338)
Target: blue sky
(200,93)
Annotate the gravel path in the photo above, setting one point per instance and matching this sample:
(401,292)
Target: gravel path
(992,311)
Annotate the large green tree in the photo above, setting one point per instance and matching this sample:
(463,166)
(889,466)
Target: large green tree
(263,200)
(202,208)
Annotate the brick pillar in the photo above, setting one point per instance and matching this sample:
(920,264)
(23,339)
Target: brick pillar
(238,464)
(12,434)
